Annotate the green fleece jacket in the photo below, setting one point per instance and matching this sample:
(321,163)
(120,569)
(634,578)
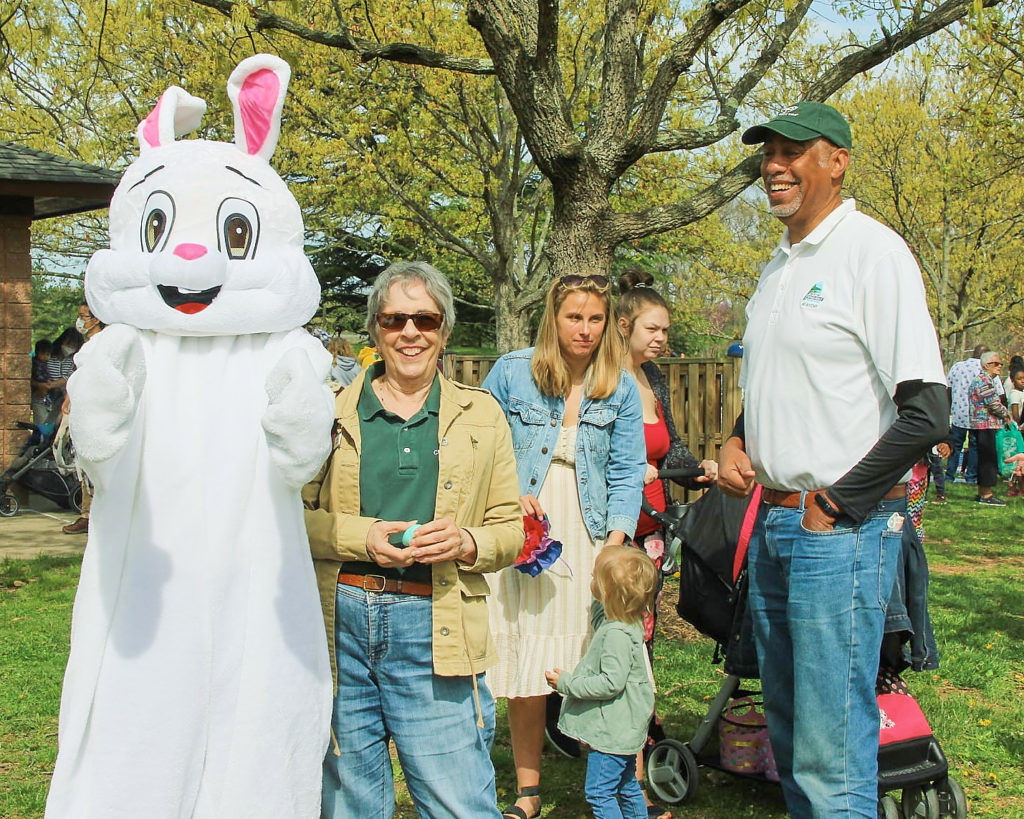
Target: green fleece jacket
(609,698)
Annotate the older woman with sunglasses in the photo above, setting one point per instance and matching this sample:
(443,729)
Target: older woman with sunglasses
(577,428)
(987,415)
(405,608)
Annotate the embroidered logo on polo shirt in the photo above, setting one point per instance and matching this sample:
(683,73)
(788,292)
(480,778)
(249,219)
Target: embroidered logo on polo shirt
(814,296)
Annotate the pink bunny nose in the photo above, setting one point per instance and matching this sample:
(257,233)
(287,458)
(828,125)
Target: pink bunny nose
(189,251)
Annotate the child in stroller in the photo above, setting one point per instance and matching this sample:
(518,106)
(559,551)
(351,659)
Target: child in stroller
(711,540)
(36,469)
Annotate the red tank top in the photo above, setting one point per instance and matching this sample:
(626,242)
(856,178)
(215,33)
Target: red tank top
(658,443)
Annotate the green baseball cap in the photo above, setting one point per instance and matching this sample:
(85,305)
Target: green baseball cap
(803,121)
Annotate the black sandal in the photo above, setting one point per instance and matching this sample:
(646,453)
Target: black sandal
(515,812)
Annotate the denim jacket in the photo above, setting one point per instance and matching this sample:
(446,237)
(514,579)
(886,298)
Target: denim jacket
(611,457)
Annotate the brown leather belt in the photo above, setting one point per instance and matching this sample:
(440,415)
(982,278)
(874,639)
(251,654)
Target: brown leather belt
(378,583)
(791,500)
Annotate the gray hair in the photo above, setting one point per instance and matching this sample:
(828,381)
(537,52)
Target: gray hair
(401,272)
(991,355)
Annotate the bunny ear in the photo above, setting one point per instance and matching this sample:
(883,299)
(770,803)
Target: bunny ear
(176,113)
(256,89)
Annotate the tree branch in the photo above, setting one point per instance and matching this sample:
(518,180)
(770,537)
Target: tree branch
(627,227)
(679,59)
(365,50)
(860,61)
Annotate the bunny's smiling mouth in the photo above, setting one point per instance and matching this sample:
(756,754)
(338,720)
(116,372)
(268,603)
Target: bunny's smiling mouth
(187,301)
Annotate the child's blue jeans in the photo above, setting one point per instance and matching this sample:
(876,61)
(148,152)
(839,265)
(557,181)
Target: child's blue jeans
(612,789)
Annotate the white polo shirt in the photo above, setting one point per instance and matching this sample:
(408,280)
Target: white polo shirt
(836,322)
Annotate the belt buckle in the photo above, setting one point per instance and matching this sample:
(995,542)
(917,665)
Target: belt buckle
(379,577)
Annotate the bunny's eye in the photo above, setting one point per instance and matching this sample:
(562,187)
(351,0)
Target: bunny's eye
(157,222)
(237,234)
(239,230)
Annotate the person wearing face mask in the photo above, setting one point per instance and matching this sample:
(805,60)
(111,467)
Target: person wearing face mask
(61,363)
(87,325)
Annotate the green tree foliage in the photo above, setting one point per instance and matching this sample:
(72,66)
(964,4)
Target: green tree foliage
(601,94)
(55,305)
(937,159)
(505,142)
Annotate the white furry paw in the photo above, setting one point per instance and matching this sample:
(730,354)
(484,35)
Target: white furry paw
(298,418)
(105,390)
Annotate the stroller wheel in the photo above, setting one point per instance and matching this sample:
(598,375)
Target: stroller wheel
(76,500)
(887,808)
(671,772)
(920,803)
(8,505)
(952,801)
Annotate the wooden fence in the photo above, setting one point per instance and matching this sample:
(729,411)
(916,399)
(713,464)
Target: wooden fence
(705,396)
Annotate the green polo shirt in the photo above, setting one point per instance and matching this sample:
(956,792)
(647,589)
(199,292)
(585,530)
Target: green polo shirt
(397,468)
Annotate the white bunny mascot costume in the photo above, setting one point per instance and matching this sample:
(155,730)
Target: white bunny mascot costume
(199,683)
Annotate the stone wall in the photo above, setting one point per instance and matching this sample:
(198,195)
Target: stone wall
(15,331)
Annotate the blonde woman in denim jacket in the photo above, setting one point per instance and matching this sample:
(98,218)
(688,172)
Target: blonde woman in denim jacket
(577,431)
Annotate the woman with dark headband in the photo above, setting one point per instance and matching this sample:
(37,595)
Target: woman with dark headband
(405,607)
(578,436)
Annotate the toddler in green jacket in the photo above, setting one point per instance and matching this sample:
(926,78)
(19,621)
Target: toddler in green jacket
(609,698)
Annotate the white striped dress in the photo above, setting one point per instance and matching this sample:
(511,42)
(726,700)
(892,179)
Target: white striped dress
(543,622)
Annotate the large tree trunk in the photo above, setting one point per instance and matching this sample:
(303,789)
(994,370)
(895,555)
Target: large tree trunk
(512,324)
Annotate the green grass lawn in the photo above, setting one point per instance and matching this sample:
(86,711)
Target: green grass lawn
(975,702)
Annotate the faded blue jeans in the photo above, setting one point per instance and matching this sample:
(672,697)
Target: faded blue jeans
(957,437)
(612,789)
(818,601)
(387,690)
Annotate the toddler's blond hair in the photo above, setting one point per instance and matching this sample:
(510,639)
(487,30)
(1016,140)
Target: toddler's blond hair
(626,579)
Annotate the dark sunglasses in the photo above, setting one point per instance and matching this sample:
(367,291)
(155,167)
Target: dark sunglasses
(572,280)
(424,322)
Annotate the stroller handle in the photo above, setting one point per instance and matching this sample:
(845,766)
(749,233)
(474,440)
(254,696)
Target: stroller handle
(682,472)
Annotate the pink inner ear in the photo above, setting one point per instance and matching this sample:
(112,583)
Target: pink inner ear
(151,125)
(256,101)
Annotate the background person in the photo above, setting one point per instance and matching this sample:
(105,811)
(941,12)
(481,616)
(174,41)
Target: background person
(987,415)
(609,697)
(1015,365)
(407,624)
(41,408)
(88,325)
(839,348)
(959,379)
(1015,395)
(577,428)
(61,364)
(344,368)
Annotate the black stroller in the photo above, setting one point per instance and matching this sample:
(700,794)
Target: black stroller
(711,539)
(37,470)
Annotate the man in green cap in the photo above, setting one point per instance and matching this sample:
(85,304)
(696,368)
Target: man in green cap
(844,391)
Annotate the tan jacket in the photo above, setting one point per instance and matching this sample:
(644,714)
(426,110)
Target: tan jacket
(477,487)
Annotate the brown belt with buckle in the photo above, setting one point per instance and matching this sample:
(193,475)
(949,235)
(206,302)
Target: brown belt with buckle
(379,583)
(791,500)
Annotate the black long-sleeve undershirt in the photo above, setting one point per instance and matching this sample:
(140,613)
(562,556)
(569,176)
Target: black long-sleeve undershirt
(922,421)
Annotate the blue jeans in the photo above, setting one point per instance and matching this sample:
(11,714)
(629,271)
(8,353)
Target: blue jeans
(387,690)
(818,602)
(959,434)
(938,474)
(612,789)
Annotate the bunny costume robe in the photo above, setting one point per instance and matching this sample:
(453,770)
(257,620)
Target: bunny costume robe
(198,683)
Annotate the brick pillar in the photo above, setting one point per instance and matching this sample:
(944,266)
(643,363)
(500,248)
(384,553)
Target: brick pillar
(15,325)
